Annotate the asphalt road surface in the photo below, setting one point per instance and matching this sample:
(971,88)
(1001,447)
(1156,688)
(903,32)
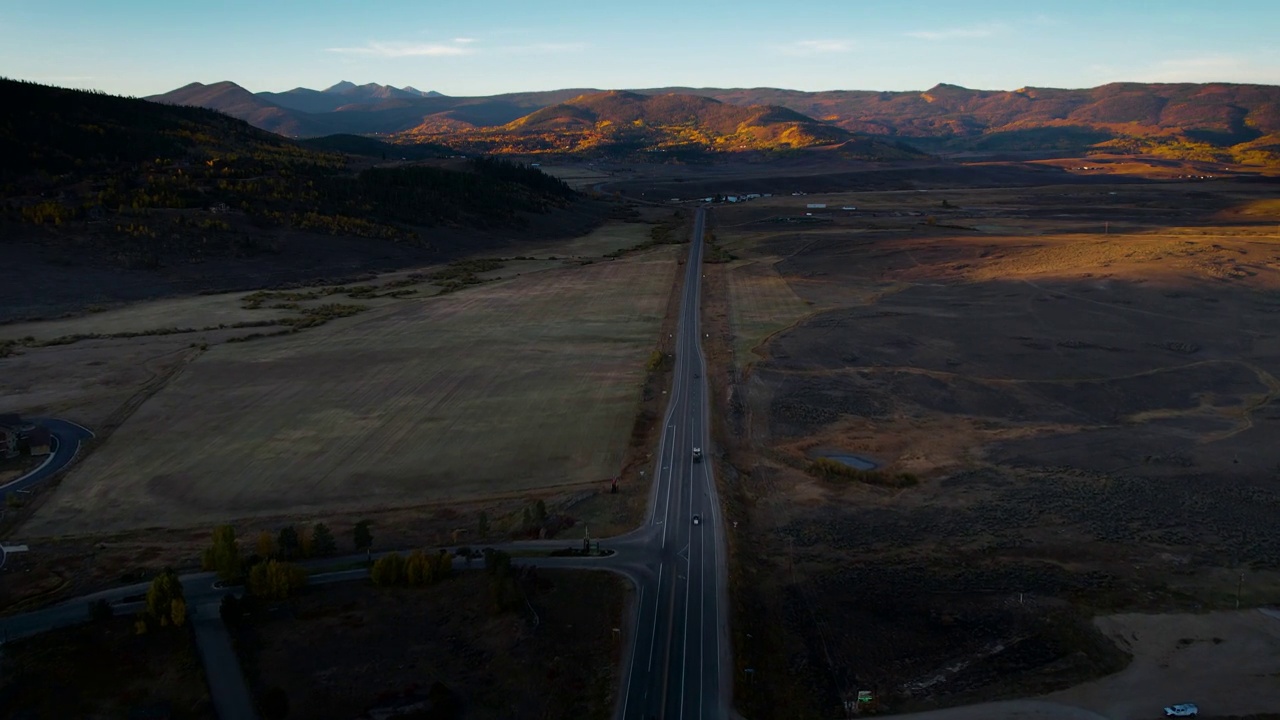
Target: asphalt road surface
(679,664)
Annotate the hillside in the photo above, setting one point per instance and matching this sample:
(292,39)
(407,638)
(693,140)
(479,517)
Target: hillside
(230,98)
(371,148)
(1218,121)
(92,180)
(621,122)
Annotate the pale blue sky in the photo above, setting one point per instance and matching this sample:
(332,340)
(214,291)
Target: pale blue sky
(473,47)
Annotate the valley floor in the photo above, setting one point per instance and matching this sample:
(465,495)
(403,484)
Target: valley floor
(1068,390)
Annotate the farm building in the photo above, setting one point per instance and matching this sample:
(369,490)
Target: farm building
(8,444)
(17,434)
(39,441)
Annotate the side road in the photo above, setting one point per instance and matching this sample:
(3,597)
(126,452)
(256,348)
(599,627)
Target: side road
(203,587)
(231,697)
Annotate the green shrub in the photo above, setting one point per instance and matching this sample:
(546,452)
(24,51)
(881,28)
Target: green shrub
(829,469)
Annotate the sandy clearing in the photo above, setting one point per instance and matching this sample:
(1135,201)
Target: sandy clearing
(1010,710)
(1228,663)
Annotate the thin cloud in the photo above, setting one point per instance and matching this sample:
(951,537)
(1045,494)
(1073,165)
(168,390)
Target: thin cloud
(545,48)
(403,50)
(816,47)
(454,48)
(959,33)
(1212,68)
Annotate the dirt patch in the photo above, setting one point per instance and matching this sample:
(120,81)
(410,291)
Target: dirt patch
(1226,662)
(104,670)
(339,652)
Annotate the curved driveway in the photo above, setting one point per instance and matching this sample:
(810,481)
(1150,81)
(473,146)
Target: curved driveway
(67,438)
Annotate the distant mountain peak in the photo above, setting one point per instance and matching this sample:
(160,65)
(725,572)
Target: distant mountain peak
(343,86)
(423,93)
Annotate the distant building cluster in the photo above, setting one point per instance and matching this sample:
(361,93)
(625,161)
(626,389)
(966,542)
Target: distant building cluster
(18,435)
(722,198)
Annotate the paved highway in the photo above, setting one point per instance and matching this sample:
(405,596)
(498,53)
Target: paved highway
(679,666)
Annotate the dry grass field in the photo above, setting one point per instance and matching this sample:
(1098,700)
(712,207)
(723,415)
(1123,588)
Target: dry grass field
(579,177)
(607,239)
(1084,379)
(512,386)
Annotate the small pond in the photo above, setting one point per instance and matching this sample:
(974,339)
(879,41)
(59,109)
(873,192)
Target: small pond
(856,462)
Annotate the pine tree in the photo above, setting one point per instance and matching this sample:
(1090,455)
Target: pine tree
(361,536)
(223,557)
(288,542)
(322,542)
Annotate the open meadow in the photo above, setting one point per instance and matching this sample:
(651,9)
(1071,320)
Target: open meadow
(1070,396)
(481,379)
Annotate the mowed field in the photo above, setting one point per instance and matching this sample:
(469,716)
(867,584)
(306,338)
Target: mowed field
(513,386)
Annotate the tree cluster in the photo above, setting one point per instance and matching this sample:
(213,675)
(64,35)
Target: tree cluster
(268,571)
(276,580)
(521,174)
(417,570)
(165,605)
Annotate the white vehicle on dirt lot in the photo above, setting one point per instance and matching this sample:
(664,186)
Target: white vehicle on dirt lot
(1182,710)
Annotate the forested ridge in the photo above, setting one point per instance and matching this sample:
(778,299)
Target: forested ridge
(150,182)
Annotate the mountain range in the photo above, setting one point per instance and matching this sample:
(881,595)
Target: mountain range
(359,109)
(621,122)
(1218,121)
